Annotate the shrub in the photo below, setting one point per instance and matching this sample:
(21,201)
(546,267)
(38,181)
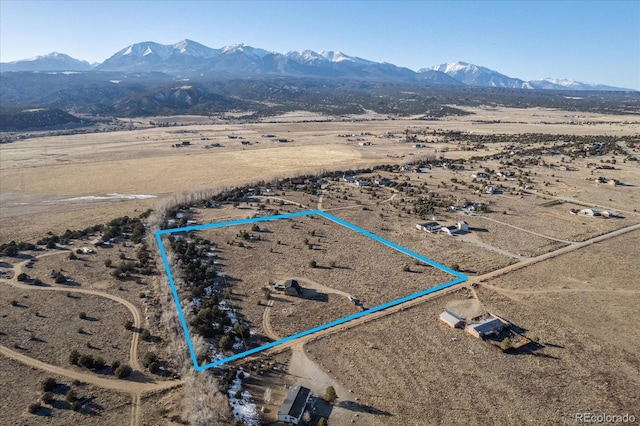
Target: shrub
(108,263)
(72,256)
(313,264)
(33,408)
(74,357)
(149,358)
(146,335)
(115,364)
(47,397)
(51,244)
(71,395)
(123,371)
(455,267)
(48,384)
(154,367)
(60,278)
(22,277)
(82,315)
(128,325)
(225,343)
(37,282)
(75,405)
(322,422)
(99,363)
(330,395)
(85,361)
(14,303)
(505,344)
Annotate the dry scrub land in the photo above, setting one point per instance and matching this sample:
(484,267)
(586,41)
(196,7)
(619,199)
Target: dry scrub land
(455,379)
(348,263)
(404,368)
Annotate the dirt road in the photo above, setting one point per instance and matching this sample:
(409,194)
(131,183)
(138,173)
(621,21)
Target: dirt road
(136,386)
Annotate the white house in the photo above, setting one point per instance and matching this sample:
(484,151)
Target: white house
(294,404)
(431,227)
(463,226)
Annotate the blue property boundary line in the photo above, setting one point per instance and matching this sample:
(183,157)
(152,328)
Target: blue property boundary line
(459,279)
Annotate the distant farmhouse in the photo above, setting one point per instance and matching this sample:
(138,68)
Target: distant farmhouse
(294,404)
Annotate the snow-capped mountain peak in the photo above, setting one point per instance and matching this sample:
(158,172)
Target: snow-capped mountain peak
(247,50)
(341,57)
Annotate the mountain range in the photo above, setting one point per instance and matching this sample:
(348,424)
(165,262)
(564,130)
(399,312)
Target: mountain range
(188,59)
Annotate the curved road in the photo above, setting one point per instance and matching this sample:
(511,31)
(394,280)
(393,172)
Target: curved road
(136,389)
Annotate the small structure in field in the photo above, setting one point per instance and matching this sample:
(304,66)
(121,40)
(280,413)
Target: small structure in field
(292,288)
(590,212)
(452,320)
(294,405)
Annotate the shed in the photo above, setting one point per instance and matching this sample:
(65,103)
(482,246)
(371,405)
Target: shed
(294,405)
(451,319)
(292,288)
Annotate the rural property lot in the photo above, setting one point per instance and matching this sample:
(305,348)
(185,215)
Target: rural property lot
(331,263)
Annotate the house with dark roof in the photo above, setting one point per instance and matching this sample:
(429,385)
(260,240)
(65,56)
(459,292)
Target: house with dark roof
(486,327)
(294,404)
(292,288)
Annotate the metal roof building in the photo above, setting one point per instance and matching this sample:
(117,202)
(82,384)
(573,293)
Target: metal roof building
(294,405)
(451,319)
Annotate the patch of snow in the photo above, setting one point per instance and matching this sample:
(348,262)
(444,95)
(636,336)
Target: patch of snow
(147,52)
(128,51)
(114,196)
(237,345)
(243,409)
(197,302)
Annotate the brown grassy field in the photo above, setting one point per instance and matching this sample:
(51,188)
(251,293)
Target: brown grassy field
(22,387)
(347,262)
(44,331)
(405,368)
(453,378)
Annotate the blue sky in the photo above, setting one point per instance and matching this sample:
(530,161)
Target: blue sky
(591,41)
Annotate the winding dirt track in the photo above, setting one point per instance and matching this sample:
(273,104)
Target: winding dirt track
(134,387)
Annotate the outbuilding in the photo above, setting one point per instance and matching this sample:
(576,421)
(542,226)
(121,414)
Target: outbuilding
(451,319)
(292,288)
